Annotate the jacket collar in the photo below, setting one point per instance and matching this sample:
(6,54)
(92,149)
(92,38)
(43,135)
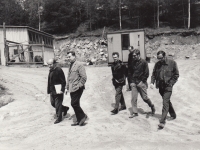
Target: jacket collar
(53,69)
(73,65)
(166,61)
(118,62)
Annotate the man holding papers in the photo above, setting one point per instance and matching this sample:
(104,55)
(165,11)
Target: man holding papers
(56,88)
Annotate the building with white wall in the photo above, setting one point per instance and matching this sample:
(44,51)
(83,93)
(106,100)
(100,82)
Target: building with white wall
(24,43)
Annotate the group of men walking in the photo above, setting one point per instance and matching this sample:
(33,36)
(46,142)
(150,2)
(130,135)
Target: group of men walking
(165,75)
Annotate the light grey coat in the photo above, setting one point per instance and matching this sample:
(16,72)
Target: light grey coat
(76,77)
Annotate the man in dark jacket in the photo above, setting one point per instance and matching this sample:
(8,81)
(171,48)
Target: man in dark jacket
(139,72)
(165,74)
(56,77)
(119,78)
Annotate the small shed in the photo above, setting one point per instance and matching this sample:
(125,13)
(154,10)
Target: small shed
(23,44)
(119,41)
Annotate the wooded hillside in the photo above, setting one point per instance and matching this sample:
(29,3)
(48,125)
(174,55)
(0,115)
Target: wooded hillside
(67,16)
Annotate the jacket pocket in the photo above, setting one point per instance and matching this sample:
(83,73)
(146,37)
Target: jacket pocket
(168,88)
(168,72)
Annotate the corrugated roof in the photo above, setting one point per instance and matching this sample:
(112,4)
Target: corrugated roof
(125,31)
(29,28)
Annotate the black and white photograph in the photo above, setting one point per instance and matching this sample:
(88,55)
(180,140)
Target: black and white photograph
(100,74)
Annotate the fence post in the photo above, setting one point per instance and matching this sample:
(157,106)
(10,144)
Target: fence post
(43,52)
(5,60)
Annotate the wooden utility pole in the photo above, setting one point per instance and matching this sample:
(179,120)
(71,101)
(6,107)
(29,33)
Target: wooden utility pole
(120,15)
(5,46)
(188,14)
(183,14)
(43,52)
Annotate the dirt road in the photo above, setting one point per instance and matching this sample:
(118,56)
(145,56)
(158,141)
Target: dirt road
(27,123)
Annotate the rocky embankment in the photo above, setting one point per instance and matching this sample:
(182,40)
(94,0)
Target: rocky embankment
(94,48)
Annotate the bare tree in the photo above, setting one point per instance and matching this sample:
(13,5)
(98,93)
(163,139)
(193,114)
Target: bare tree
(120,15)
(188,14)
(158,13)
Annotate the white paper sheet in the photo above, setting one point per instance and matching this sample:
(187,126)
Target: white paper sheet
(58,88)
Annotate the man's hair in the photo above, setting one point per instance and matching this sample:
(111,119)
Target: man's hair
(136,51)
(161,52)
(115,53)
(72,52)
(130,47)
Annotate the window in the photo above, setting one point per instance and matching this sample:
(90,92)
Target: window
(125,41)
(30,37)
(34,40)
(15,51)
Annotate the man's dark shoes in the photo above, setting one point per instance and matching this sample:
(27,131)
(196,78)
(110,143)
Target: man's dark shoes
(83,120)
(122,108)
(153,110)
(57,121)
(65,111)
(75,124)
(115,111)
(171,118)
(161,125)
(133,115)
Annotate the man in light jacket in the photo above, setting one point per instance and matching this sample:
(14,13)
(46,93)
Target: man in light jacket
(75,85)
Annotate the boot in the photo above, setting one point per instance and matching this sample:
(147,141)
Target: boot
(115,111)
(153,110)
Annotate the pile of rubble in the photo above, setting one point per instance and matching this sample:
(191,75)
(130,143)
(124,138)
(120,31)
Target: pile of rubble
(87,49)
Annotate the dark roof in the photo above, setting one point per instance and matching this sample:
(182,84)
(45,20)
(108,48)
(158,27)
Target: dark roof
(30,29)
(125,31)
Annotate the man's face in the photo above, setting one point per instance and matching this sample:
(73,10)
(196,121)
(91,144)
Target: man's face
(71,58)
(116,58)
(66,58)
(51,64)
(160,58)
(135,56)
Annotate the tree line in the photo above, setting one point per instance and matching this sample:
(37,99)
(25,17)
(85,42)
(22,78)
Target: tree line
(66,16)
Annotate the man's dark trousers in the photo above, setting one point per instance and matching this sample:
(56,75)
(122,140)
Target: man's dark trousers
(166,92)
(56,102)
(119,98)
(75,102)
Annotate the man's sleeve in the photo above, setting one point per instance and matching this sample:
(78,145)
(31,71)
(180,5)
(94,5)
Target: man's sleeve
(48,86)
(153,77)
(62,79)
(67,85)
(83,76)
(125,69)
(175,74)
(146,72)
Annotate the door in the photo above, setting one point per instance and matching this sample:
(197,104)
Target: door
(125,44)
(114,45)
(137,41)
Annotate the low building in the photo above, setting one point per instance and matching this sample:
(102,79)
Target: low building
(25,45)
(119,41)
